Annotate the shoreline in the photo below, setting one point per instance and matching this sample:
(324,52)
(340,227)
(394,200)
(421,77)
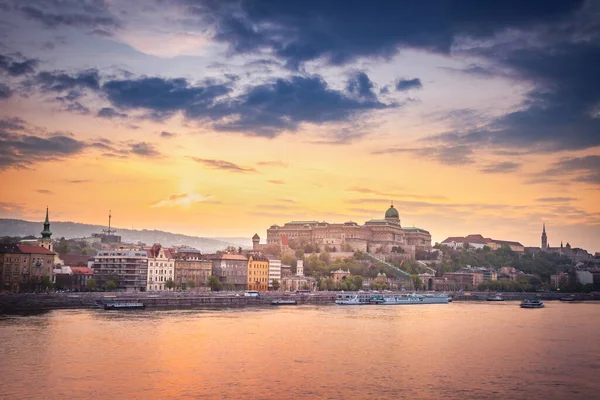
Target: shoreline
(23,303)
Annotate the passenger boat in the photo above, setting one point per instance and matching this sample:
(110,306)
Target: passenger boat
(124,305)
(568,298)
(496,297)
(284,302)
(532,303)
(353,299)
(415,299)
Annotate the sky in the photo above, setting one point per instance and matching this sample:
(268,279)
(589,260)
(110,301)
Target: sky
(221,118)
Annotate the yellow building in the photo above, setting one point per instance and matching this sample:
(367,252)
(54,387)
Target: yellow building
(258,273)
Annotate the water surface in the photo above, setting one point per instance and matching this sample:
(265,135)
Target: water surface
(454,351)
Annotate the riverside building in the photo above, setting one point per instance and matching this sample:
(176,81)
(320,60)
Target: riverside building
(127,268)
(161,268)
(192,269)
(376,235)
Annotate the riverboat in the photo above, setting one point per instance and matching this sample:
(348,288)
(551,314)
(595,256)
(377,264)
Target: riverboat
(496,297)
(124,305)
(284,302)
(568,298)
(532,303)
(353,299)
(415,299)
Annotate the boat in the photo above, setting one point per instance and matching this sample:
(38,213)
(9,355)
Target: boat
(415,299)
(567,298)
(353,299)
(496,297)
(284,302)
(532,303)
(124,305)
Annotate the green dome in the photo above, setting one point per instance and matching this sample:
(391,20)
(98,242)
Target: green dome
(392,213)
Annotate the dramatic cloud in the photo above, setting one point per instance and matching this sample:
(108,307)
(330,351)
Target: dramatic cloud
(11,66)
(110,113)
(144,149)
(73,13)
(263,110)
(404,85)
(361,86)
(184,199)
(297,32)
(581,169)
(223,165)
(61,81)
(501,168)
(22,150)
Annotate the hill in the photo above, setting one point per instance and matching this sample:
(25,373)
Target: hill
(70,230)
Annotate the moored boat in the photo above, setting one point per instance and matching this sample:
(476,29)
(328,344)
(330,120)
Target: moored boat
(567,298)
(353,299)
(284,302)
(124,305)
(415,299)
(496,297)
(532,303)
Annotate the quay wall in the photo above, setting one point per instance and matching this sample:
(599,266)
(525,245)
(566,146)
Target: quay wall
(11,303)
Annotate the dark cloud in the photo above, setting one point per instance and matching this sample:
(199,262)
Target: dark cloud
(22,150)
(167,135)
(164,97)
(12,124)
(110,113)
(61,81)
(223,165)
(78,108)
(556,199)
(501,168)
(404,85)
(448,155)
(581,169)
(73,13)
(337,32)
(361,86)
(5,91)
(283,104)
(263,110)
(144,149)
(12,66)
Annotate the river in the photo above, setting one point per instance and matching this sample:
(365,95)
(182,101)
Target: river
(455,351)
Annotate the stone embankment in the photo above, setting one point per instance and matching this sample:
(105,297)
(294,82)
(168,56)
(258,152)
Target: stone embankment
(15,303)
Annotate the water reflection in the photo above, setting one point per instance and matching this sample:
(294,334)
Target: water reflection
(466,351)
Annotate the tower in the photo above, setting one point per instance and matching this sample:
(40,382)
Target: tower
(46,241)
(544,239)
(391,215)
(255,241)
(300,268)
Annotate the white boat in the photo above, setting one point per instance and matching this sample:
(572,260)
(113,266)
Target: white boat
(415,299)
(284,302)
(496,297)
(353,299)
(532,303)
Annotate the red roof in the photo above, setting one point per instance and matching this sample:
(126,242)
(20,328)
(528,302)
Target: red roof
(82,271)
(73,260)
(34,249)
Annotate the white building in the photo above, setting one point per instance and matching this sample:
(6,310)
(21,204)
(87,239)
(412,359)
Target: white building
(585,277)
(161,268)
(300,268)
(274,271)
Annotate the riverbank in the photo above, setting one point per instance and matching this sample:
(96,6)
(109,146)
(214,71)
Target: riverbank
(27,302)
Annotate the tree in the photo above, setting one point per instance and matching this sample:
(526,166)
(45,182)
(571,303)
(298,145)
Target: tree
(299,253)
(110,285)
(62,247)
(90,284)
(358,281)
(417,282)
(276,284)
(46,282)
(190,285)
(169,284)
(325,257)
(215,284)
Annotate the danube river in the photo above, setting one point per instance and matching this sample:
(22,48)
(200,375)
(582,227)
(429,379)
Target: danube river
(454,351)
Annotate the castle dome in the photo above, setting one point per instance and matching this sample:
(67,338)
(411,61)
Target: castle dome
(392,213)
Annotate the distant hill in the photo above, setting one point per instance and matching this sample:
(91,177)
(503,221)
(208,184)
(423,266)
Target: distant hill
(70,230)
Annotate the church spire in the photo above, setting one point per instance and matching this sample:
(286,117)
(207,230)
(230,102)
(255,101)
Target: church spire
(544,238)
(46,233)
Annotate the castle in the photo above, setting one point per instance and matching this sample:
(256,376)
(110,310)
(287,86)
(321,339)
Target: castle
(376,235)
